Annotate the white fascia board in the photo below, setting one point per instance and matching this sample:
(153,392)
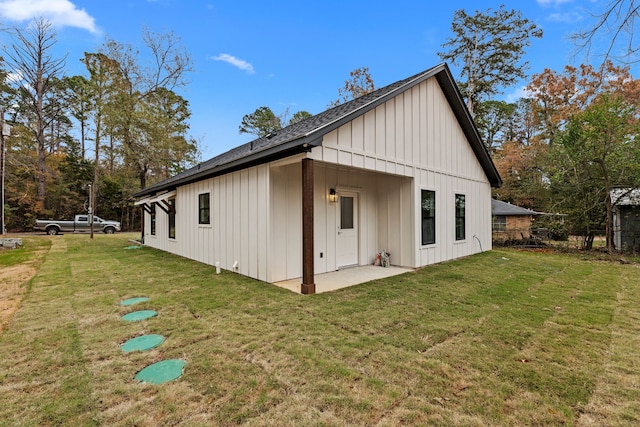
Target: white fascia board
(163,196)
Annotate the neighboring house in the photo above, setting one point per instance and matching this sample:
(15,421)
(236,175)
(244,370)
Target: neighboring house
(401,169)
(511,222)
(626,219)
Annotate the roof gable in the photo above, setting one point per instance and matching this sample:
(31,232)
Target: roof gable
(302,136)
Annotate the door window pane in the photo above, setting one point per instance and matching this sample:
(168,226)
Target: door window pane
(346,212)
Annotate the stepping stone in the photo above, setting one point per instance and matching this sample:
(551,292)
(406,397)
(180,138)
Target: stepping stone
(139,315)
(142,343)
(132,301)
(161,372)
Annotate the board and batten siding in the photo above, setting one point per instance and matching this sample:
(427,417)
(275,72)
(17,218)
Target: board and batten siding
(382,198)
(387,156)
(416,135)
(239,216)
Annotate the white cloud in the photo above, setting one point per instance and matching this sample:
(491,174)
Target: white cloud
(13,78)
(61,13)
(236,62)
(519,92)
(565,18)
(554,3)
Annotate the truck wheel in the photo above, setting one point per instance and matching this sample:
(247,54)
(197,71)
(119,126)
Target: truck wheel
(52,231)
(109,230)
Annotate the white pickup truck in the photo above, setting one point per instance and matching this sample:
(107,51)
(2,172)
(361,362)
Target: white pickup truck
(79,224)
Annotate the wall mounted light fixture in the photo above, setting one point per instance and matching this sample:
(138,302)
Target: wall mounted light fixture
(333,196)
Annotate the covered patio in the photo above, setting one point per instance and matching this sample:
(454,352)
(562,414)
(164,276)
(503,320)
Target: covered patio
(343,278)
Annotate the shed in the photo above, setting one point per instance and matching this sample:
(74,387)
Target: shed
(400,169)
(626,219)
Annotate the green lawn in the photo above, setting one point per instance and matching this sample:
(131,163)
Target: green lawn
(501,338)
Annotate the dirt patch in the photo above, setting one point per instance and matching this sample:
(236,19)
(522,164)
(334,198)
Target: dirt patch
(12,289)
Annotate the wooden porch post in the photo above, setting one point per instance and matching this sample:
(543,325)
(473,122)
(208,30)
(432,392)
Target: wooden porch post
(308,285)
(142,212)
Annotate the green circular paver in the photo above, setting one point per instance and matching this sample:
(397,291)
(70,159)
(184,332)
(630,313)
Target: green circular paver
(139,315)
(161,372)
(142,343)
(132,301)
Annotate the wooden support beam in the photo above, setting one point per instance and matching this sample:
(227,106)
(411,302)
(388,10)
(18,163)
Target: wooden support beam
(142,222)
(165,209)
(308,282)
(169,206)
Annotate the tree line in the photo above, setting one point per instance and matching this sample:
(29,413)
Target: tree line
(575,135)
(117,128)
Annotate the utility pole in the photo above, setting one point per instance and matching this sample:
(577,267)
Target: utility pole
(90,211)
(5,130)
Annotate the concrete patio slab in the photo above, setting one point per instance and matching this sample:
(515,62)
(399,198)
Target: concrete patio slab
(343,278)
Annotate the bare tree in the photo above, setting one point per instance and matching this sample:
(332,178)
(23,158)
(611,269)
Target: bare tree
(102,86)
(617,24)
(360,83)
(35,73)
(142,84)
(489,47)
(167,68)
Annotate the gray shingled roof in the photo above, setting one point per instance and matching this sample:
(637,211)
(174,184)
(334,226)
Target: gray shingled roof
(304,135)
(507,209)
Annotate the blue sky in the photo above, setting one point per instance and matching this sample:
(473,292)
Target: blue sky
(286,54)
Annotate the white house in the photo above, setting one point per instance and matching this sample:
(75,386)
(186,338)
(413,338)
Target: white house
(401,169)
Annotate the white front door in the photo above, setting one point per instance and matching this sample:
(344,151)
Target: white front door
(347,238)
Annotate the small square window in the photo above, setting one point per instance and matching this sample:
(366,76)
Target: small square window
(499,223)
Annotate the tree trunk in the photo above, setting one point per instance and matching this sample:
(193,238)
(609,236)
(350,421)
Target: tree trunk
(96,175)
(609,206)
(143,176)
(41,141)
(82,137)
(42,170)
(111,155)
(609,223)
(587,243)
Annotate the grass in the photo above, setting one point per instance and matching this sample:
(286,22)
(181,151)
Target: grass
(17,267)
(502,338)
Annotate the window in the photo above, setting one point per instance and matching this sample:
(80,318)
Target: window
(499,223)
(172,218)
(460,217)
(428,207)
(153,219)
(203,209)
